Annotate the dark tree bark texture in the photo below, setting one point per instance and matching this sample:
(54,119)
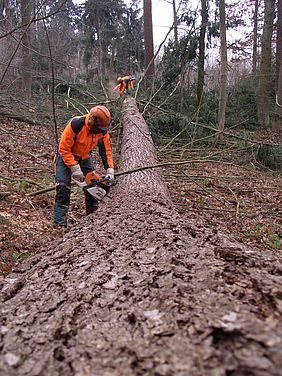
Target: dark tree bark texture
(223,71)
(255,36)
(278,39)
(26,8)
(201,61)
(148,38)
(264,79)
(137,289)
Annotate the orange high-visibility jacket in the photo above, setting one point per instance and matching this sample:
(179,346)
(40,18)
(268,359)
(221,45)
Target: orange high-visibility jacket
(126,78)
(121,88)
(77,143)
(127,83)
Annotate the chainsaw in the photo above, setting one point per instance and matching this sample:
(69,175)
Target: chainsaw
(95,185)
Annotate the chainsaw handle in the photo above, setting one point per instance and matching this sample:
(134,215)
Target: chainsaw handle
(81,184)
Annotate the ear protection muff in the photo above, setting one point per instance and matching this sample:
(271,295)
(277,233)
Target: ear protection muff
(95,127)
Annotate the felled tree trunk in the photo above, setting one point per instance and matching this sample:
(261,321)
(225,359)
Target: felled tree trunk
(138,150)
(136,289)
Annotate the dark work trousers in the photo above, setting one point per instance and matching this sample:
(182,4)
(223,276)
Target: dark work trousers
(63,190)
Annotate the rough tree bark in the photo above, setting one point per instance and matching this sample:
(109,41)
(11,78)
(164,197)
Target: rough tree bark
(255,38)
(279,94)
(175,22)
(264,79)
(136,289)
(26,8)
(279,60)
(201,61)
(223,71)
(278,40)
(148,38)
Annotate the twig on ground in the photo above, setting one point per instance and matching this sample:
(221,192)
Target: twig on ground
(209,208)
(4,194)
(237,203)
(205,190)
(28,181)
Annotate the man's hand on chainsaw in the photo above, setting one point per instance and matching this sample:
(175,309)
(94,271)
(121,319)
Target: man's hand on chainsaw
(110,175)
(77,174)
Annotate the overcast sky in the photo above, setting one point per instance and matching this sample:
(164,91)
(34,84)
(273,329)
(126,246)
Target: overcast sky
(162,17)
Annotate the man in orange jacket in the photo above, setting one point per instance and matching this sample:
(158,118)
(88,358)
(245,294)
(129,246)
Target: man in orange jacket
(73,161)
(125,84)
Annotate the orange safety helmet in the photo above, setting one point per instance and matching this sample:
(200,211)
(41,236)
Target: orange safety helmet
(102,117)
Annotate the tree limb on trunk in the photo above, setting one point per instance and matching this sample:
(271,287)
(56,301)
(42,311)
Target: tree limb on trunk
(122,173)
(206,191)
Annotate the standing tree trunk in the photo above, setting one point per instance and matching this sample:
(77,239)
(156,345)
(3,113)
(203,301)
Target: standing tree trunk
(255,41)
(175,22)
(114,49)
(279,60)
(278,40)
(201,63)
(148,39)
(100,48)
(223,71)
(264,80)
(26,8)
(279,92)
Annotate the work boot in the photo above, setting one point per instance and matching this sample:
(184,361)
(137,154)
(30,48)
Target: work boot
(61,215)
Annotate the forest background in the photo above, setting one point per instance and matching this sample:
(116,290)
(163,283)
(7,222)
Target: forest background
(60,58)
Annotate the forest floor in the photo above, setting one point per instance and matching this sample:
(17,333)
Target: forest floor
(237,200)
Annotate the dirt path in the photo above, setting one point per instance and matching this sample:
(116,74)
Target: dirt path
(136,289)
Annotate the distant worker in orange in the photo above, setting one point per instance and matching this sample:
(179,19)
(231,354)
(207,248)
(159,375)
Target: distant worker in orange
(125,84)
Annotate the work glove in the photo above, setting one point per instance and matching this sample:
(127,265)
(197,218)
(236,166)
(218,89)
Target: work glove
(77,174)
(110,175)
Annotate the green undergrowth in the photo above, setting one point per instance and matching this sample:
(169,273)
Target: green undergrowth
(270,236)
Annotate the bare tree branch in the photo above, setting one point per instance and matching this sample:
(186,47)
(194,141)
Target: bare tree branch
(33,21)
